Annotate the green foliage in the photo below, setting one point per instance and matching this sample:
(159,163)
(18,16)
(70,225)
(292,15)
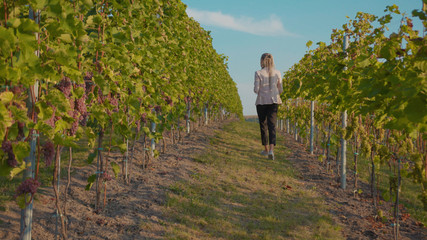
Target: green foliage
(90,181)
(116,169)
(125,58)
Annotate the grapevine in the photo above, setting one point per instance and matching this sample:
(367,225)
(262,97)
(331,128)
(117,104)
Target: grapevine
(378,80)
(100,69)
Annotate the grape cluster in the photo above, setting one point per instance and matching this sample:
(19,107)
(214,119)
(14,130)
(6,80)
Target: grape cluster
(168,100)
(89,86)
(17,90)
(187,99)
(57,118)
(80,105)
(72,104)
(6,146)
(101,98)
(82,109)
(75,125)
(88,76)
(65,86)
(51,121)
(83,119)
(48,151)
(158,108)
(144,118)
(115,102)
(29,185)
(106,177)
(21,134)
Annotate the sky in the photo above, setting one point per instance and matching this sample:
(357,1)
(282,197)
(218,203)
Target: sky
(245,29)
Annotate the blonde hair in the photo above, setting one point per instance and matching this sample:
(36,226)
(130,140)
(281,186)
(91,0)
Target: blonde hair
(268,62)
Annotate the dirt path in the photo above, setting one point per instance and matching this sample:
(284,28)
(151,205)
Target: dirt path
(353,211)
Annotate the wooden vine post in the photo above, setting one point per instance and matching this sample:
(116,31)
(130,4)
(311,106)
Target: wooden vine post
(287,118)
(153,140)
(188,116)
(343,140)
(27,212)
(311,127)
(206,114)
(296,122)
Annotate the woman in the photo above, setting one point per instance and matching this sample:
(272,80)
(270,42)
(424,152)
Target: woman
(268,87)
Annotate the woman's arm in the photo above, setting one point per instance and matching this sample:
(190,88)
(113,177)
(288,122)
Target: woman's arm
(256,83)
(279,83)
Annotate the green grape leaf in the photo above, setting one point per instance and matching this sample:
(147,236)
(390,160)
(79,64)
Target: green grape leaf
(19,114)
(421,65)
(40,4)
(14,22)
(28,26)
(4,166)
(21,201)
(13,132)
(88,3)
(415,112)
(17,170)
(21,150)
(91,180)
(66,38)
(116,169)
(6,97)
(92,157)
(7,40)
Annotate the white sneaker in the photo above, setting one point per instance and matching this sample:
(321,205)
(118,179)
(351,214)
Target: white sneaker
(264,153)
(271,155)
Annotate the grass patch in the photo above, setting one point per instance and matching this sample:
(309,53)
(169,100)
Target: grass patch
(409,190)
(242,195)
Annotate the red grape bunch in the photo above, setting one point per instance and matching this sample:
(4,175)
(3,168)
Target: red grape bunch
(48,151)
(168,100)
(144,118)
(65,86)
(187,99)
(115,102)
(106,177)
(6,146)
(21,134)
(75,124)
(29,185)
(89,86)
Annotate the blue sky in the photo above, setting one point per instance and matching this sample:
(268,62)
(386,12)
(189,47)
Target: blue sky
(245,29)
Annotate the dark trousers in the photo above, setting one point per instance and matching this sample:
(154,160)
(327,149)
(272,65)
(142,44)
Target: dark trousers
(267,115)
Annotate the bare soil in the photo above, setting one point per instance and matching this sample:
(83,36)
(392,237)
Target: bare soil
(133,211)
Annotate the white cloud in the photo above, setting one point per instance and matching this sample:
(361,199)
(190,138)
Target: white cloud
(266,27)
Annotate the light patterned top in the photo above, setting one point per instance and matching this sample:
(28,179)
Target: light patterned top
(267,95)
